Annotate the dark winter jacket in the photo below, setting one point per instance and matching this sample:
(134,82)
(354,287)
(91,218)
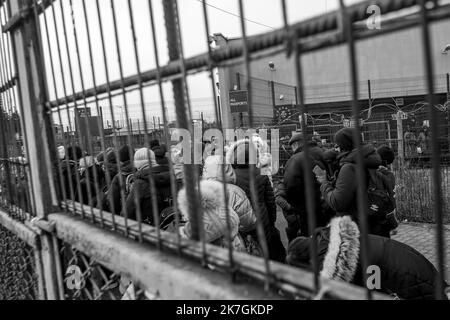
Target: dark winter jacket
(341,195)
(114,194)
(404,271)
(141,191)
(295,187)
(69,179)
(91,182)
(267,209)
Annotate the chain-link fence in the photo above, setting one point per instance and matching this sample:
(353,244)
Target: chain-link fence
(18,276)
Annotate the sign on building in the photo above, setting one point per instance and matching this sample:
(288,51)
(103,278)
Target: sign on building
(83,112)
(239,101)
(400,102)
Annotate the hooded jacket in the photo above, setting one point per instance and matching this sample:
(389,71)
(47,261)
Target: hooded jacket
(265,196)
(215,223)
(341,195)
(237,198)
(405,272)
(294,184)
(141,191)
(114,195)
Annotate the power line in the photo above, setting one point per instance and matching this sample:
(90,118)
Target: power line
(236,15)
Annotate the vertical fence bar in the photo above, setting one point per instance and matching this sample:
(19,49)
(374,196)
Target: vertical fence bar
(173,182)
(307,168)
(361,176)
(213,86)
(253,186)
(435,148)
(37,128)
(183,120)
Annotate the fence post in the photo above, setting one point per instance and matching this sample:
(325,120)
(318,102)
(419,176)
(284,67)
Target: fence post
(274,102)
(184,121)
(401,150)
(37,127)
(448,110)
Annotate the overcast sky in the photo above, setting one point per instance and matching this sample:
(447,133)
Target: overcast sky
(266,15)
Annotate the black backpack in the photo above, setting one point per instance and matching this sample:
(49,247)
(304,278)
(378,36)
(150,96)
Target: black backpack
(380,202)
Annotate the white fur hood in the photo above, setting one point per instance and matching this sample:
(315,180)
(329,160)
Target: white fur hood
(341,260)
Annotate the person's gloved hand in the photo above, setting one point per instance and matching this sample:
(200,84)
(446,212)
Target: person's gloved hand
(321,174)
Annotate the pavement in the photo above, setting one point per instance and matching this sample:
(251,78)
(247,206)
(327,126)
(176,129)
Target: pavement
(423,238)
(420,236)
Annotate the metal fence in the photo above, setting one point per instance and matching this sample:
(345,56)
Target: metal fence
(44,49)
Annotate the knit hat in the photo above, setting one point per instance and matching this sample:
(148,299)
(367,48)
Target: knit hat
(143,157)
(298,252)
(345,139)
(154,143)
(212,170)
(124,154)
(386,154)
(110,156)
(61,152)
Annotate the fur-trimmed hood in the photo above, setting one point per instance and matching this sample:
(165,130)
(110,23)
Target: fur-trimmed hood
(338,250)
(214,213)
(341,259)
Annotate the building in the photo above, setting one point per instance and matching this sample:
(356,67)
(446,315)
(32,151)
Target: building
(391,77)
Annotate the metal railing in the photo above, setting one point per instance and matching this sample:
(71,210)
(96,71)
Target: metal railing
(52,51)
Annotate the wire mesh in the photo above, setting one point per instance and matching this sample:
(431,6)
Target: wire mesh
(18,277)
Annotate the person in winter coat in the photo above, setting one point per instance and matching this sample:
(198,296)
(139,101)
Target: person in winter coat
(405,273)
(91,180)
(70,174)
(341,195)
(387,157)
(216,229)
(291,191)
(145,164)
(119,183)
(160,151)
(241,156)
(237,198)
(110,165)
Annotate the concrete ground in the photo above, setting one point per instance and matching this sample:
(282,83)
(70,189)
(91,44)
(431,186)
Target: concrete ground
(421,237)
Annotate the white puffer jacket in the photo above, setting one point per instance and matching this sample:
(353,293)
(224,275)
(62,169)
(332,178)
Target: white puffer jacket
(237,199)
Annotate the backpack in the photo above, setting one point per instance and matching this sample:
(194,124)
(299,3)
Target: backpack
(380,202)
(128,183)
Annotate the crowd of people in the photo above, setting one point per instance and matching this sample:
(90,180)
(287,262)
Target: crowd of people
(320,183)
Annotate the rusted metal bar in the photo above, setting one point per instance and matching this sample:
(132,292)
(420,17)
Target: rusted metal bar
(150,267)
(25,12)
(183,119)
(311,38)
(20,230)
(435,150)
(37,129)
(362,200)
